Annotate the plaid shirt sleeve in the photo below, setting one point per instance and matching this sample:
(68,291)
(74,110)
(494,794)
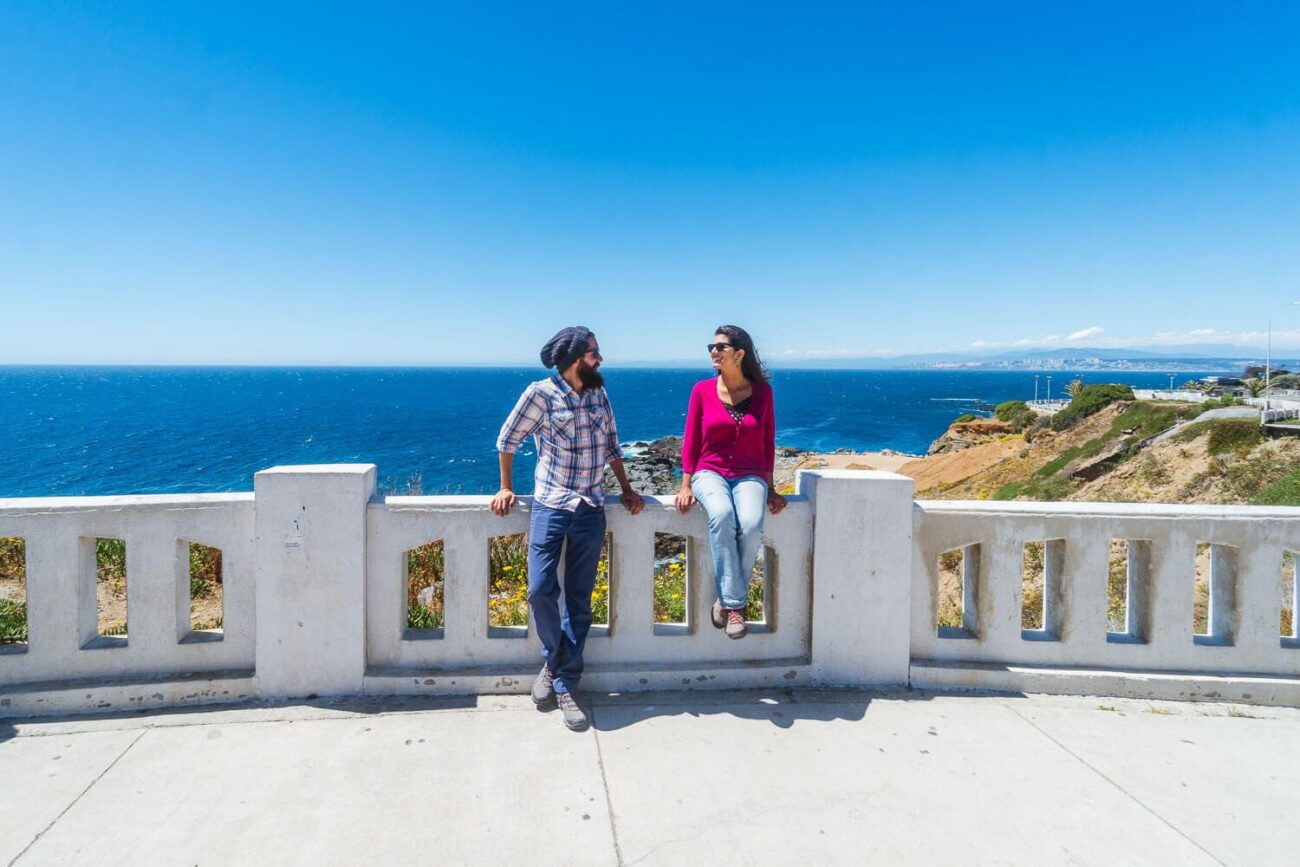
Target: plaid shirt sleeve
(614,451)
(523,420)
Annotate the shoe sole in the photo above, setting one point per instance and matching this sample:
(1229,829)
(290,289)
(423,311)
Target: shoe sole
(737,635)
(544,704)
(578,727)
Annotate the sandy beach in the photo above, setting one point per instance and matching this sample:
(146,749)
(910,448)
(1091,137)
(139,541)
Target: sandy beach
(889,461)
(941,469)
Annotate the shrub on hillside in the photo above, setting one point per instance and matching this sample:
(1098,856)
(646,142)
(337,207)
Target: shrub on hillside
(964,417)
(1226,434)
(1090,399)
(1015,412)
(1221,402)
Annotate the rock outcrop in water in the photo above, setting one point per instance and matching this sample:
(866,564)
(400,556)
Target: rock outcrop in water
(657,467)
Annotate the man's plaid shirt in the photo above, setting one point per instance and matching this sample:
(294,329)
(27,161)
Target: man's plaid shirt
(575,436)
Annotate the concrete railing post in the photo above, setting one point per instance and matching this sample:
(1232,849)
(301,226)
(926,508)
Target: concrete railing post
(862,576)
(311,578)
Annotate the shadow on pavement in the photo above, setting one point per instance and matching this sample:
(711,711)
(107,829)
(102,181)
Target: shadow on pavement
(780,707)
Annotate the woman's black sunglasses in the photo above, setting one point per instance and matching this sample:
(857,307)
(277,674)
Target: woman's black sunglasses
(718,346)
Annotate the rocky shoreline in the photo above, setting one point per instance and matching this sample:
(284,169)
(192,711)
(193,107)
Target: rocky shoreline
(657,467)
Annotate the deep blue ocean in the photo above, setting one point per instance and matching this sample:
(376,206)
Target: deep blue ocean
(119,430)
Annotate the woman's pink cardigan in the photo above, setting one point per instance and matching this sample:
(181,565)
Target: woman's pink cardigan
(713,440)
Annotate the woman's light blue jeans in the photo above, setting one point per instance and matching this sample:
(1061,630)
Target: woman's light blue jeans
(735,510)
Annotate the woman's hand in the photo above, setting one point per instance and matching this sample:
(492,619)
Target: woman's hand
(684,500)
(775,502)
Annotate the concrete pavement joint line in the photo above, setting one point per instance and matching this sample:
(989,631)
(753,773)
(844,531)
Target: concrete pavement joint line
(609,802)
(341,714)
(1125,791)
(75,800)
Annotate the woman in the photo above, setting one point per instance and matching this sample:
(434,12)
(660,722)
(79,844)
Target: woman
(728,453)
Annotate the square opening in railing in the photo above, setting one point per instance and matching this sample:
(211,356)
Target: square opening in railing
(508,582)
(424,591)
(757,595)
(956,608)
(1128,588)
(601,591)
(671,581)
(1201,590)
(1214,594)
(1040,590)
(1290,629)
(13,595)
(207,593)
(110,592)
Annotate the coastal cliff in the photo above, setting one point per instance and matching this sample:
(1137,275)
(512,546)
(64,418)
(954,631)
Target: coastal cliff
(1129,451)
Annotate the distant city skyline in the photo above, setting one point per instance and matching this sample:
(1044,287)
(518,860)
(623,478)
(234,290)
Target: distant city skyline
(305,184)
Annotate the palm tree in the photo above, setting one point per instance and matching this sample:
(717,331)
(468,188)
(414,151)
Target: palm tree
(1255,386)
(1074,388)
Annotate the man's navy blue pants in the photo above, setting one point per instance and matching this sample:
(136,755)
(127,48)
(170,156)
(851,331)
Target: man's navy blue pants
(562,616)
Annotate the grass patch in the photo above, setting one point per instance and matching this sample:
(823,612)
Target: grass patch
(670,581)
(1056,464)
(1284,492)
(508,582)
(424,586)
(13,621)
(1225,435)
(1009,491)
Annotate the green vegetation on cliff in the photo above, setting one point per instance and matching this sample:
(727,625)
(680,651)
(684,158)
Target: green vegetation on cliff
(1109,455)
(1089,400)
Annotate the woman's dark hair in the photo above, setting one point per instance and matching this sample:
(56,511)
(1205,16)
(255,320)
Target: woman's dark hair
(751,365)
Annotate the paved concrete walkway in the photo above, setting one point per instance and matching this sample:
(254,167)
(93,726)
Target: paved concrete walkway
(766,777)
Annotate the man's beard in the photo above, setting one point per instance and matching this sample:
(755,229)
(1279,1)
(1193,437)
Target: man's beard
(589,376)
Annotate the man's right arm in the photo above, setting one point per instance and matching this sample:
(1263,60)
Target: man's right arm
(522,421)
(504,500)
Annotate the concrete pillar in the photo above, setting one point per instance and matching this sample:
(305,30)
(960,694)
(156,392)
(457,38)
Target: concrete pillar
(862,576)
(310,567)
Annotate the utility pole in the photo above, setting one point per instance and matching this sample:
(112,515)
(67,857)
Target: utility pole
(1049,388)
(1035,388)
(1268,363)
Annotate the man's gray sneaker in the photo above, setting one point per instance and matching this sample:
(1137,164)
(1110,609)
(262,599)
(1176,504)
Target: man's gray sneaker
(718,615)
(574,718)
(544,689)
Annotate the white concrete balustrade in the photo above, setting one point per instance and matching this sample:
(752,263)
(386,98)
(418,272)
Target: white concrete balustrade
(1241,654)
(314,569)
(159,656)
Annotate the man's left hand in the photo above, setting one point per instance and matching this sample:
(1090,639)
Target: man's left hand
(632,502)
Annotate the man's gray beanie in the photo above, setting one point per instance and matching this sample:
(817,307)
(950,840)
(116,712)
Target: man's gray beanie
(565,347)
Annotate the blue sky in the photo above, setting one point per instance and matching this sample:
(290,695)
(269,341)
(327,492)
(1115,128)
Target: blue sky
(268,183)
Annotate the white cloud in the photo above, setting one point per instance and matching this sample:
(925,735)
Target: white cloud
(1282,341)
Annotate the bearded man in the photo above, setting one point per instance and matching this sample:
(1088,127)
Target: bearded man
(572,423)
